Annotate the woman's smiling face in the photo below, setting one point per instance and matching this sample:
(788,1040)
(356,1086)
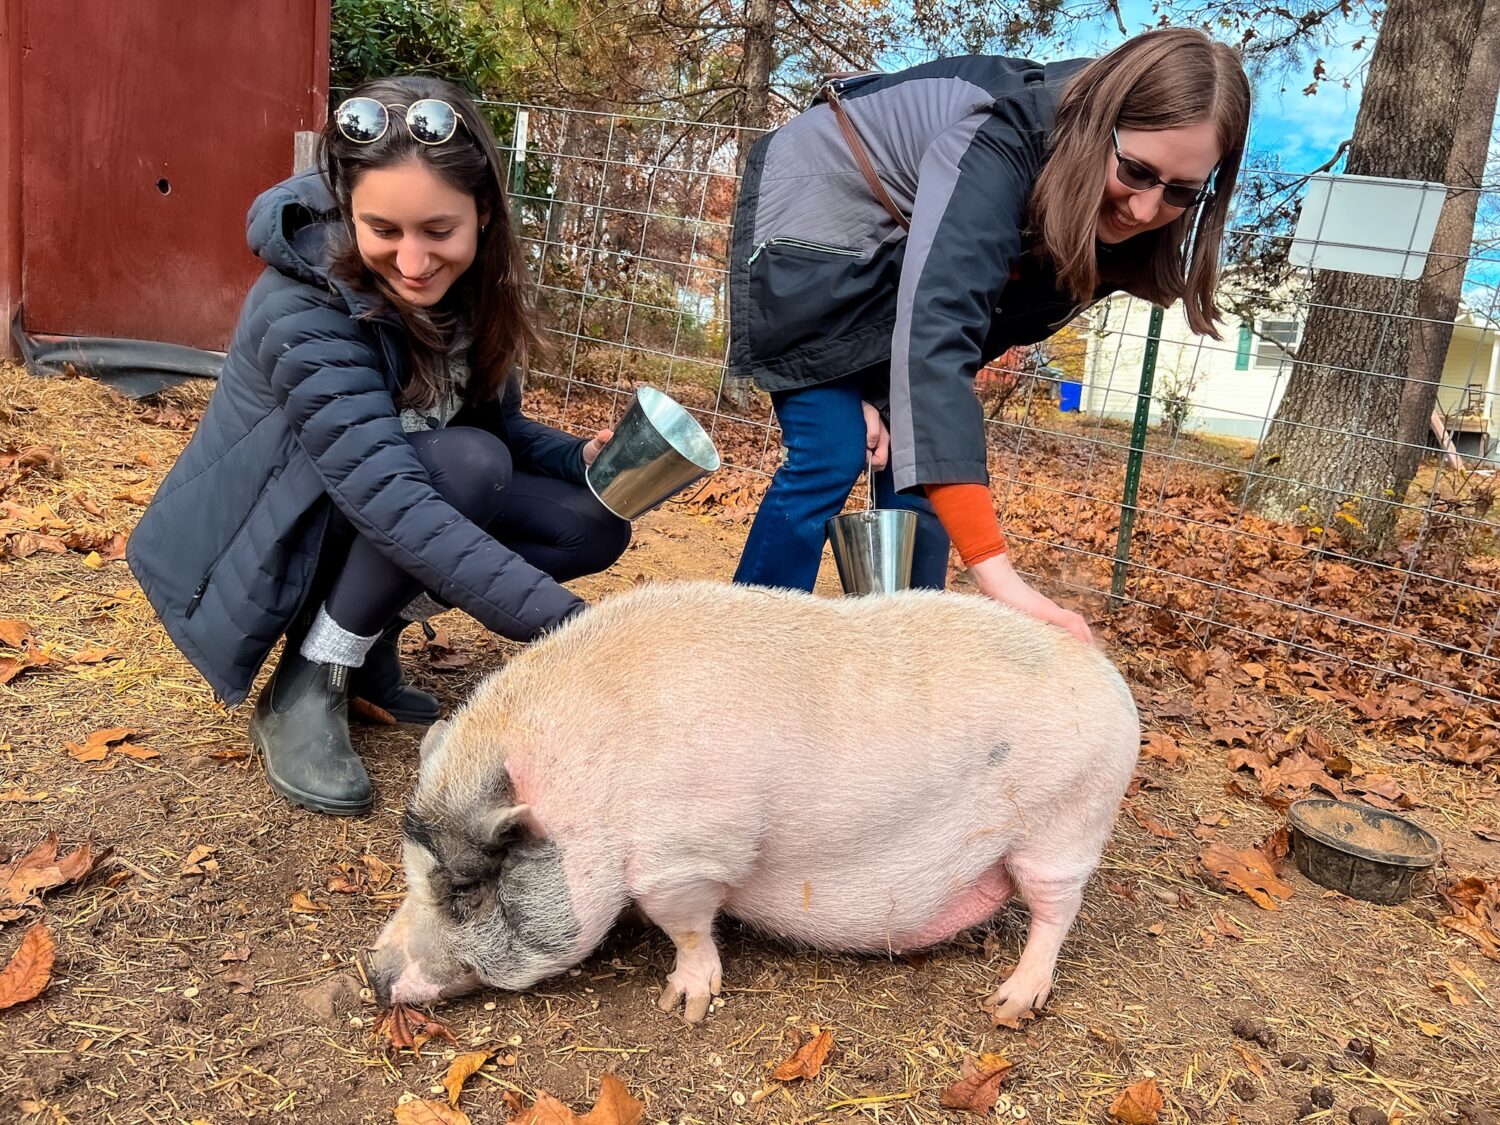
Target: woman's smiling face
(413,229)
(1186,154)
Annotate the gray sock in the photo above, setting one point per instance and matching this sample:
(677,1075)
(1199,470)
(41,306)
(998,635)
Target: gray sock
(328,642)
(421,607)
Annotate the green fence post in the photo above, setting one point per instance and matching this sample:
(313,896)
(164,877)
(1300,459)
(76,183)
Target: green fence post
(1137,456)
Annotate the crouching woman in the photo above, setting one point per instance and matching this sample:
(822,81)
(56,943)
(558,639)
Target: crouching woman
(365,445)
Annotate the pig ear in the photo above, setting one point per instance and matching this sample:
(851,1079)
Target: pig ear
(497,827)
(433,738)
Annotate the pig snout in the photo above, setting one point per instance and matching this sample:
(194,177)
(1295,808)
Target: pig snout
(400,974)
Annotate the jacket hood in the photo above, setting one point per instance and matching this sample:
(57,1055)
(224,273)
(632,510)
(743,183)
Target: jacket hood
(295,228)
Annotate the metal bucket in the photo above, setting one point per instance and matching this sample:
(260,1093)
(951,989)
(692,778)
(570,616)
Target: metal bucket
(657,451)
(873,549)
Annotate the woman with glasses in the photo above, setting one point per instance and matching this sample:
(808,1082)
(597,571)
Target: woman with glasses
(364,460)
(910,227)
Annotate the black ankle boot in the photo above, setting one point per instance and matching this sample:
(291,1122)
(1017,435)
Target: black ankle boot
(379,682)
(301,728)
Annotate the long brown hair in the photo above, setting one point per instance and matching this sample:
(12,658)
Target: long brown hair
(1158,80)
(492,294)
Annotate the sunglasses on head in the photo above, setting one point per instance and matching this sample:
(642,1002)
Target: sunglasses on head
(1137,177)
(365,120)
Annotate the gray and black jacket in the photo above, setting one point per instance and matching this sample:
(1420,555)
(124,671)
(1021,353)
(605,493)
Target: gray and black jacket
(824,283)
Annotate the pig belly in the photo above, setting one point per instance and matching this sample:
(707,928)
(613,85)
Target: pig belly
(868,916)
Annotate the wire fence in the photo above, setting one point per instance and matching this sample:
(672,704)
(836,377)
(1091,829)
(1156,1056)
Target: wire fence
(1130,458)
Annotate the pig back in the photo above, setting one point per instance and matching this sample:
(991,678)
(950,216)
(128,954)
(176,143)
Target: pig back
(771,723)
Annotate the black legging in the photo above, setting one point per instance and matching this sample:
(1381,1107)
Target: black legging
(556,526)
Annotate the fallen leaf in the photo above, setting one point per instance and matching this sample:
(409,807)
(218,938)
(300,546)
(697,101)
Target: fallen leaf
(428,1112)
(10,668)
(615,1105)
(13,633)
(979,1087)
(1155,827)
(96,745)
(807,1060)
(25,877)
(459,1072)
(1252,1060)
(239,980)
(1140,1104)
(1163,748)
(20,796)
(94,654)
(1448,990)
(197,861)
(380,872)
(546,1110)
(301,904)
(1475,906)
(94,560)
(1485,832)
(30,968)
(407,1029)
(1226,926)
(1249,871)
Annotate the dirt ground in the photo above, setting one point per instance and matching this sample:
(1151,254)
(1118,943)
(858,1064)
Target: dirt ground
(230,992)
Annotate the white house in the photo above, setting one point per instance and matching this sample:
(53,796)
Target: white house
(1234,384)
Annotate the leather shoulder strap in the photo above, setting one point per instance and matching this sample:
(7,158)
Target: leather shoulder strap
(862,157)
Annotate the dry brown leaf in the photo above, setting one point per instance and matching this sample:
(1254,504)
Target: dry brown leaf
(1153,826)
(420,1111)
(1140,1104)
(24,878)
(1475,906)
(1227,927)
(381,873)
(10,668)
(615,1105)
(30,968)
(460,1071)
(96,746)
(1163,748)
(979,1087)
(197,861)
(807,1060)
(13,633)
(94,654)
(301,904)
(1448,990)
(1249,871)
(546,1110)
(407,1029)
(20,796)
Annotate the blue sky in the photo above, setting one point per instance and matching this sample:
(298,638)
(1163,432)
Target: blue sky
(1303,129)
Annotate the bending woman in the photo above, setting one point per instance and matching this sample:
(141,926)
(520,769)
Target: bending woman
(1030,192)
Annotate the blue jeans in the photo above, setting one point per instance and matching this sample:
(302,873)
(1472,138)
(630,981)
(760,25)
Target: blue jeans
(823,429)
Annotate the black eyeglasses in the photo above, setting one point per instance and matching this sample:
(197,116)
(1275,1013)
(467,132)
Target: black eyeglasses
(365,120)
(1137,177)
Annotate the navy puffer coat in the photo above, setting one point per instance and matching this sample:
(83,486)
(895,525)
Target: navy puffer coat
(303,420)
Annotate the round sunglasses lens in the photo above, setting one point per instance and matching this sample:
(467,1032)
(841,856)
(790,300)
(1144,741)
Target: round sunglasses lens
(1135,176)
(431,121)
(361,120)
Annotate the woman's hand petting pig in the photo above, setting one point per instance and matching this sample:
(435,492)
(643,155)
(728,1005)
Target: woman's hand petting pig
(997,579)
(596,446)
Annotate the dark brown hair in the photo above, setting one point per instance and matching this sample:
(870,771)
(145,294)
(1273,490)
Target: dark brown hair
(491,296)
(1158,80)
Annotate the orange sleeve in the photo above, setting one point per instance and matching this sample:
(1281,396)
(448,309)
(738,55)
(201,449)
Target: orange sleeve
(968,516)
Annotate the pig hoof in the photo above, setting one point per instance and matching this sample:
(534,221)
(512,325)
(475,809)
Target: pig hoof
(1014,1000)
(695,1000)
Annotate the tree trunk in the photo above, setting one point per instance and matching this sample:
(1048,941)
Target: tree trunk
(755,74)
(1333,449)
(754,115)
(1442,281)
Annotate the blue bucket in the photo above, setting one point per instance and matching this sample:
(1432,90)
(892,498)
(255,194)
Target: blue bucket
(1069,395)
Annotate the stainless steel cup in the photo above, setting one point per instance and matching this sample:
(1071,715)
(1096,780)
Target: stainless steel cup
(873,549)
(657,451)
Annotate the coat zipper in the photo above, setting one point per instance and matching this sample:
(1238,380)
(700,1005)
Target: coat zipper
(802,243)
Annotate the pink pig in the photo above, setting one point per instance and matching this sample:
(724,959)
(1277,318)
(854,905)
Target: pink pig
(867,774)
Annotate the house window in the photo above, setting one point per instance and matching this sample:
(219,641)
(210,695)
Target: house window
(1277,339)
